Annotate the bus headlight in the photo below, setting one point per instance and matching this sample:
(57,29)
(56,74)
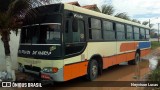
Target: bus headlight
(50,69)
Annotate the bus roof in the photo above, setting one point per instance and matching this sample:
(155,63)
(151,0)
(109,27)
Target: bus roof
(97,14)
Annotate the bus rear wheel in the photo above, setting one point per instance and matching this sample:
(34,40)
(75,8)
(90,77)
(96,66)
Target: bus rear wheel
(136,60)
(92,71)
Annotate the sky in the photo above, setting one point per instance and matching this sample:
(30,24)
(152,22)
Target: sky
(142,10)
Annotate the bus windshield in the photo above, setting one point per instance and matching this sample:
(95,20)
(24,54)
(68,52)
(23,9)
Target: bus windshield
(47,33)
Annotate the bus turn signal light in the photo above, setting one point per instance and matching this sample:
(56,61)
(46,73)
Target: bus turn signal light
(54,69)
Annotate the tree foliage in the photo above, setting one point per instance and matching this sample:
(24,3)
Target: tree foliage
(123,16)
(151,25)
(108,9)
(11,12)
(145,22)
(14,10)
(136,21)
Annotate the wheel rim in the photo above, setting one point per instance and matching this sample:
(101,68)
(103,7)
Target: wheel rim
(94,70)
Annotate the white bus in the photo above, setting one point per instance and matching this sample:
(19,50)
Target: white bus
(64,42)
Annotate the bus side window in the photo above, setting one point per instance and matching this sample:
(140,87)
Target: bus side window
(129,32)
(89,26)
(147,34)
(142,34)
(136,33)
(120,31)
(95,29)
(68,32)
(108,30)
(81,28)
(77,37)
(78,31)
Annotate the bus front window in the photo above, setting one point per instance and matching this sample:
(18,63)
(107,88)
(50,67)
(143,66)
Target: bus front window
(41,34)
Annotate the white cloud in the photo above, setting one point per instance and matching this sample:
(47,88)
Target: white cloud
(134,7)
(142,10)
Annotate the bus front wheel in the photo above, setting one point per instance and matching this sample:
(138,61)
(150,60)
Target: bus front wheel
(136,60)
(92,71)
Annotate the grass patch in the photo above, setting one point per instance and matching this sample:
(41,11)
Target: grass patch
(155,44)
(155,76)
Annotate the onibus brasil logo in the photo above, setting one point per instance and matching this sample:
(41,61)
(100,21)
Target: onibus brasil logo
(14,84)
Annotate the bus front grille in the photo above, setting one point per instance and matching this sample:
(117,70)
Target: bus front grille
(32,68)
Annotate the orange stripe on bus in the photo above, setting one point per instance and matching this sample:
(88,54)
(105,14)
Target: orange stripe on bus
(72,71)
(113,60)
(75,70)
(145,52)
(108,61)
(121,58)
(128,46)
(130,56)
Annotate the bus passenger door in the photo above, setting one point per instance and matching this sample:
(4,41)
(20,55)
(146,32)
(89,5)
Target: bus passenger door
(74,48)
(74,39)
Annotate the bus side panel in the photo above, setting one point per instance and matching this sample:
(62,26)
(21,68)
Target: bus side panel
(106,49)
(125,51)
(121,58)
(128,46)
(75,70)
(145,48)
(130,56)
(107,61)
(145,52)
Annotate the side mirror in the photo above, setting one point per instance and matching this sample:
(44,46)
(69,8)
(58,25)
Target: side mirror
(75,25)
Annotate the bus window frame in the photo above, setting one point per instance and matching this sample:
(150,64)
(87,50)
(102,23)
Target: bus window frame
(114,30)
(68,44)
(120,31)
(89,28)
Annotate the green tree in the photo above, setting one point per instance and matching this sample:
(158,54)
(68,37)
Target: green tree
(123,16)
(108,9)
(145,22)
(136,21)
(12,11)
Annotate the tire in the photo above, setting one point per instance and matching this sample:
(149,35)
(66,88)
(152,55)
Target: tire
(92,71)
(136,60)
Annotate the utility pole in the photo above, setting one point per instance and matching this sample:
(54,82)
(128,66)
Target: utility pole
(158,32)
(149,23)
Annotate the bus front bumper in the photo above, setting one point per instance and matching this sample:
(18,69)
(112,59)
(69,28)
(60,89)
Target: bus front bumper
(42,76)
(58,76)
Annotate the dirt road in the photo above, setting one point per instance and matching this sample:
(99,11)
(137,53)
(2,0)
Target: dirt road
(109,80)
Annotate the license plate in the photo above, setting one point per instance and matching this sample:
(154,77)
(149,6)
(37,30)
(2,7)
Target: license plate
(45,76)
